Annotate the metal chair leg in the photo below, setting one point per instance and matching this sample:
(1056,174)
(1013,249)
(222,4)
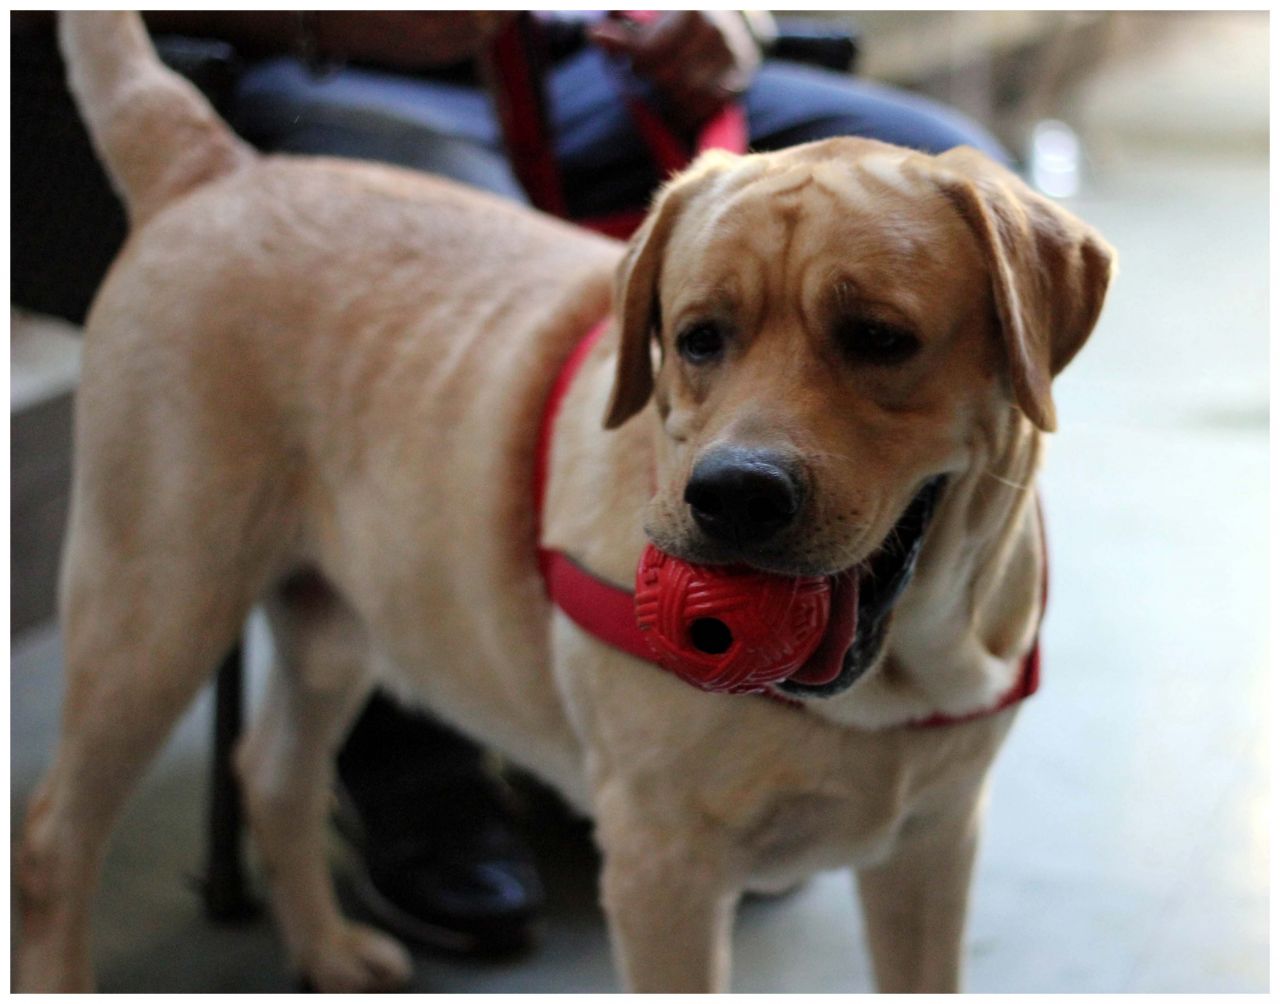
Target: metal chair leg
(225,888)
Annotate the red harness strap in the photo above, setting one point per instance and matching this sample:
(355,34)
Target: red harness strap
(598,607)
(607,612)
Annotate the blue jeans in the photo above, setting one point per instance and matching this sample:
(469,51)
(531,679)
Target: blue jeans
(451,129)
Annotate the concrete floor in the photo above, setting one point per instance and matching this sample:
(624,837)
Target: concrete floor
(1127,843)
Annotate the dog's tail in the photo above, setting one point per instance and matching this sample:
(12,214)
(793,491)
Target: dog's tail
(156,134)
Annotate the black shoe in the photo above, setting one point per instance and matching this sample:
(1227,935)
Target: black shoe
(444,866)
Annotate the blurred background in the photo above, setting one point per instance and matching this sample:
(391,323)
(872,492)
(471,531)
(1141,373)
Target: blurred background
(1127,844)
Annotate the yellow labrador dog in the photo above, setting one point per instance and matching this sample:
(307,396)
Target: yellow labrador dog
(317,384)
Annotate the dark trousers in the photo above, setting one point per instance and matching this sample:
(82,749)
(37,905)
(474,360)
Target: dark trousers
(450,128)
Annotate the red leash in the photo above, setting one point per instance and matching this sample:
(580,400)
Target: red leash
(516,61)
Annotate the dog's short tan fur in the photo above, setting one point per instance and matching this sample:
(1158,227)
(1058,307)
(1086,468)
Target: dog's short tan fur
(306,365)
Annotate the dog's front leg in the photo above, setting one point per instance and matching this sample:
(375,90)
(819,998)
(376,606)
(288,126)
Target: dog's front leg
(915,903)
(668,900)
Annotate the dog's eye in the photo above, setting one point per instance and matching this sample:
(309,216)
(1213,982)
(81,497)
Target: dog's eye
(876,342)
(701,343)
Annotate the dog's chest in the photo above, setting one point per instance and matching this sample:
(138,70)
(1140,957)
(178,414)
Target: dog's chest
(802,818)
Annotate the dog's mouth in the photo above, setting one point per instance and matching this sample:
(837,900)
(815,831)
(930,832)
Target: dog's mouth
(862,601)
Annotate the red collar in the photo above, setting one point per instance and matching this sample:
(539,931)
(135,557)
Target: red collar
(607,611)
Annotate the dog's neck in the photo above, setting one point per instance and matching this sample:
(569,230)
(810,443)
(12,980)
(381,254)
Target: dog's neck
(959,631)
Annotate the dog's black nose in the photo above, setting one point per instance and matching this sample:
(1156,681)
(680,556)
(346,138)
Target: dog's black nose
(742,496)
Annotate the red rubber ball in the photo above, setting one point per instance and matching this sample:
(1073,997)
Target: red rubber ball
(727,629)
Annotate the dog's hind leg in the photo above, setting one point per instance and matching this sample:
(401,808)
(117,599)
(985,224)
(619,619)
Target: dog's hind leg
(320,682)
(147,612)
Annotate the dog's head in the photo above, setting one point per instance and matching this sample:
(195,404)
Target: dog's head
(838,327)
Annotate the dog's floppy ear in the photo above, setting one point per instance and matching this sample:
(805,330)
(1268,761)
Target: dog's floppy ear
(1049,272)
(637,304)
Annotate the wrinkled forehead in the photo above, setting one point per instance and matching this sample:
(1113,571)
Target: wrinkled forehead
(875,224)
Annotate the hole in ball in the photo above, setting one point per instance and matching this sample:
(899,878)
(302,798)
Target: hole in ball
(710,636)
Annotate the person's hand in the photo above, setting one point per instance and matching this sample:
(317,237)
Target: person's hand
(697,60)
(407,40)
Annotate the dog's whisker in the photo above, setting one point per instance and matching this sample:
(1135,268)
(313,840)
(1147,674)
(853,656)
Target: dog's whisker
(1019,486)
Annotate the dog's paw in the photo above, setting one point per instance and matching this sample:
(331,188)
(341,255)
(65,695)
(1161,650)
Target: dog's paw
(357,959)
(33,978)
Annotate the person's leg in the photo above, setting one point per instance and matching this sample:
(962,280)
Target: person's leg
(444,863)
(789,104)
(443,128)
(606,166)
